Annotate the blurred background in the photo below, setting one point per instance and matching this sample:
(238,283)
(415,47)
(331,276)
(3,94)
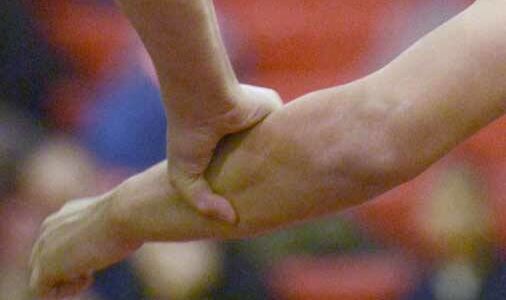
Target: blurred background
(80,111)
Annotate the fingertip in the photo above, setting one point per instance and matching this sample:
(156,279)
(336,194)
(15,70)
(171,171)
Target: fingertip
(272,97)
(225,212)
(277,100)
(201,197)
(217,207)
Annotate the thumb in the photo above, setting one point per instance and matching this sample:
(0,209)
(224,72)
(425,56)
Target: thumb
(196,191)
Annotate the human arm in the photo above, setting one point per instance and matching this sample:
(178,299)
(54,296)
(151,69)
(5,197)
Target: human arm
(449,84)
(329,150)
(374,133)
(201,94)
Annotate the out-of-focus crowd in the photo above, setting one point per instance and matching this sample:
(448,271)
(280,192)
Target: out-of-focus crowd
(80,111)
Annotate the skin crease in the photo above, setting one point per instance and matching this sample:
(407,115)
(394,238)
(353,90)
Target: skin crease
(272,166)
(202,97)
(321,153)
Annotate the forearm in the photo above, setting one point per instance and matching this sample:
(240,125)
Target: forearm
(317,155)
(292,167)
(183,39)
(376,133)
(289,168)
(448,85)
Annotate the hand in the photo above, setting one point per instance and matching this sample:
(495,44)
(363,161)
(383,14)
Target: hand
(191,144)
(73,243)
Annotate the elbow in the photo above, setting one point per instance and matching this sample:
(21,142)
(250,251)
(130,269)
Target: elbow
(374,157)
(385,161)
(379,167)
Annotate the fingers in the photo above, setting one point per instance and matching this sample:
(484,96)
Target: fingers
(189,156)
(264,99)
(190,149)
(267,97)
(66,290)
(59,289)
(51,275)
(197,192)
(256,104)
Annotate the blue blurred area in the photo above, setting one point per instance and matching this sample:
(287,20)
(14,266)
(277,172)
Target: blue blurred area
(126,125)
(118,282)
(495,282)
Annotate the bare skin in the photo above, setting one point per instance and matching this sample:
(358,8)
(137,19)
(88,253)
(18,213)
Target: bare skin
(202,97)
(326,151)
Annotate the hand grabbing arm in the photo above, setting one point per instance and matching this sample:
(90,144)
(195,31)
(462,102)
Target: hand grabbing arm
(318,155)
(203,99)
(341,146)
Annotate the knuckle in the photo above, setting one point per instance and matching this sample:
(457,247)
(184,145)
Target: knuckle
(182,182)
(195,162)
(182,177)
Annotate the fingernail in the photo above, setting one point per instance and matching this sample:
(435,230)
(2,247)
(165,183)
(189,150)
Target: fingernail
(218,208)
(225,212)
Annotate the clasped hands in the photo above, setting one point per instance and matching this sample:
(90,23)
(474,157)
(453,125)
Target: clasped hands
(191,144)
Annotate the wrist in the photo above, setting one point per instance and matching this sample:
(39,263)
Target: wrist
(117,218)
(201,105)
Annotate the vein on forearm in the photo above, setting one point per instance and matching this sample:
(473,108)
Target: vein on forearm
(448,85)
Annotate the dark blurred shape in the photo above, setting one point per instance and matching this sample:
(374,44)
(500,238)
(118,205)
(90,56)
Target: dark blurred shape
(27,64)
(247,262)
(118,282)
(94,42)
(92,36)
(495,283)
(242,278)
(18,134)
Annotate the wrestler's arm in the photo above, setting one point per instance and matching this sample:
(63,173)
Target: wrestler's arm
(184,42)
(201,94)
(448,85)
(326,151)
(341,146)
